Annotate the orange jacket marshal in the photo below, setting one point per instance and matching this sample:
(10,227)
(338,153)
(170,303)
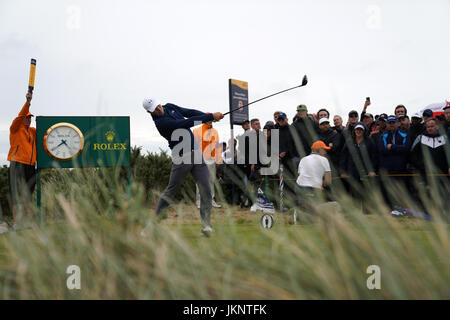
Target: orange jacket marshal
(22,139)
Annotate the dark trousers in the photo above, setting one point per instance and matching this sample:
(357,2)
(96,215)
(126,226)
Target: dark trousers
(22,181)
(200,174)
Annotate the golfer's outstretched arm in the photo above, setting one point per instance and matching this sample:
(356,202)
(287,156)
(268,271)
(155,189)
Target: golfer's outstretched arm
(189,112)
(188,123)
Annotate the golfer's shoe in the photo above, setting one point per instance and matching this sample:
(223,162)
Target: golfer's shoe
(207,231)
(215,205)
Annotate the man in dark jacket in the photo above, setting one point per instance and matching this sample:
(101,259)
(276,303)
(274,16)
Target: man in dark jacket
(306,131)
(168,118)
(430,154)
(352,121)
(358,155)
(405,123)
(289,158)
(393,156)
(416,127)
(333,140)
(393,148)
(357,161)
(288,152)
(435,145)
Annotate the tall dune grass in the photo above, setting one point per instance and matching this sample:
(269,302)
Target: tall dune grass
(91,219)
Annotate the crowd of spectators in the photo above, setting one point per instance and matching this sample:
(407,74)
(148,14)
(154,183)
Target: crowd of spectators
(396,146)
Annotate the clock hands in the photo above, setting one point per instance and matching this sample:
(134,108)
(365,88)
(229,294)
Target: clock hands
(63,142)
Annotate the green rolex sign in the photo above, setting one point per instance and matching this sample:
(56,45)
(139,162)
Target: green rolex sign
(67,142)
(80,142)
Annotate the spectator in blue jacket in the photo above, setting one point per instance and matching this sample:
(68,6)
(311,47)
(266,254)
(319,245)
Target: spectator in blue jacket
(393,147)
(393,155)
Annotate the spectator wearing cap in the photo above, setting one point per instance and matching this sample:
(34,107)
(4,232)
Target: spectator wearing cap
(306,131)
(367,119)
(380,128)
(416,127)
(393,147)
(351,123)
(400,110)
(376,135)
(405,124)
(357,160)
(314,173)
(333,140)
(245,125)
(364,110)
(393,155)
(288,154)
(314,170)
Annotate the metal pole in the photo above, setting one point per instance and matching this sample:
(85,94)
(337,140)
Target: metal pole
(233,187)
(281,189)
(38,196)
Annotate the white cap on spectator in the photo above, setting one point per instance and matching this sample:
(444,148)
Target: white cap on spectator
(359,125)
(150,104)
(416,115)
(322,120)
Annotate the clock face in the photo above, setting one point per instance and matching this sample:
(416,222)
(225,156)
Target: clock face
(63,141)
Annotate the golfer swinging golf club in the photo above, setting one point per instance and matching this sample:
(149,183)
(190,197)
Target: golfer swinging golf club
(169,118)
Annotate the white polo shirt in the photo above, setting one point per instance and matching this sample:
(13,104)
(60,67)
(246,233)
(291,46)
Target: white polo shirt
(311,171)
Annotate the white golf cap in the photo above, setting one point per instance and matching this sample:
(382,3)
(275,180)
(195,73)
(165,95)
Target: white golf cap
(359,125)
(416,115)
(150,104)
(322,120)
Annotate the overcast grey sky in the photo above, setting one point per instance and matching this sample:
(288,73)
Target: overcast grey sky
(103,57)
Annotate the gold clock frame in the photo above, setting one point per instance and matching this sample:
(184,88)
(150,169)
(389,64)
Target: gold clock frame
(63,124)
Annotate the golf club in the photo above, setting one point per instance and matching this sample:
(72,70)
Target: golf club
(304,82)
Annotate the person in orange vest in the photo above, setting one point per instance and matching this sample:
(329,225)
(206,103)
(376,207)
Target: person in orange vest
(208,139)
(22,157)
